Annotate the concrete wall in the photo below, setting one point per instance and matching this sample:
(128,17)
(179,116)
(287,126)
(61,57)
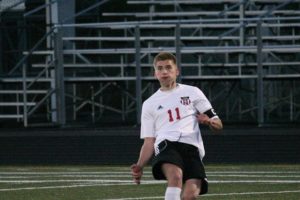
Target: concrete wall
(238,145)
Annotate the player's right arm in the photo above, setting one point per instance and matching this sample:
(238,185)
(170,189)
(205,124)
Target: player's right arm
(147,134)
(146,153)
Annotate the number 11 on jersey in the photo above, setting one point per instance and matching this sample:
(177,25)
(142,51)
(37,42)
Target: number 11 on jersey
(171,119)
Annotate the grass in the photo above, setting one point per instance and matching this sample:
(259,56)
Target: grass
(234,182)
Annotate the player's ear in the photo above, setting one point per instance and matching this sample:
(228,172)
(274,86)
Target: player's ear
(154,73)
(177,71)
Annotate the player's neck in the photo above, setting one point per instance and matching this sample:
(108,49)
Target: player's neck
(168,87)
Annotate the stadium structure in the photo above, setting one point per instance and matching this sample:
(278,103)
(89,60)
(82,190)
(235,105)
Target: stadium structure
(67,64)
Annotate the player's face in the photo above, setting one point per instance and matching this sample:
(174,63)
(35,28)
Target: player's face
(166,72)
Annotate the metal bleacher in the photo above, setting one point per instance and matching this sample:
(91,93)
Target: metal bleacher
(243,54)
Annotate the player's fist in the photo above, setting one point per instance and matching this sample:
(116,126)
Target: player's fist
(203,119)
(137,173)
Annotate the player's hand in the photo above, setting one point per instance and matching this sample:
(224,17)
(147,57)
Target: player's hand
(203,119)
(214,124)
(137,173)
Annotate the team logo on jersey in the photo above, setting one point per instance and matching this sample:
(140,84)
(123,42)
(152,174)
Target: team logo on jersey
(185,101)
(159,107)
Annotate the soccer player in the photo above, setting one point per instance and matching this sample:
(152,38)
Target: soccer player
(170,129)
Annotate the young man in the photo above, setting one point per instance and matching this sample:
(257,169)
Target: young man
(169,127)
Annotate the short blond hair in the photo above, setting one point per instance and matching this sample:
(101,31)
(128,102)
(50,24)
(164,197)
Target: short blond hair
(164,56)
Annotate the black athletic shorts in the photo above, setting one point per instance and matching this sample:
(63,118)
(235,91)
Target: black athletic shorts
(183,155)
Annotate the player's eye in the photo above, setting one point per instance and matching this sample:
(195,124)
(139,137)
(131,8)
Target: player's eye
(168,67)
(159,68)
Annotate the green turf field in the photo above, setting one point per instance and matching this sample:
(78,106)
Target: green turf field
(114,182)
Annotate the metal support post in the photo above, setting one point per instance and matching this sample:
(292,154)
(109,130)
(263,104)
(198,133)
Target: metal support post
(260,83)
(93,103)
(199,65)
(138,71)
(292,89)
(59,78)
(178,50)
(242,37)
(1,48)
(25,116)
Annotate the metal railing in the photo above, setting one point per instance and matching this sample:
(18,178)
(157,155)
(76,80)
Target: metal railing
(135,56)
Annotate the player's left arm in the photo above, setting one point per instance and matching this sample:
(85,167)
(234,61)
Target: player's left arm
(206,115)
(210,119)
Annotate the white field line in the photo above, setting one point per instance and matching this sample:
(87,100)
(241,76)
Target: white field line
(76,185)
(66,172)
(114,183)
(254,193)
(145,172)
(221,194)
(253,172)
(257,181)
(48,187)
(119,174)
(145,181)
(145,176)
(66,180)
(104,182)
(255,176)
(137,198)
(68,176)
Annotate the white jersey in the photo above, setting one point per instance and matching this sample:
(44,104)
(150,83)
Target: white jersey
(171,115)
